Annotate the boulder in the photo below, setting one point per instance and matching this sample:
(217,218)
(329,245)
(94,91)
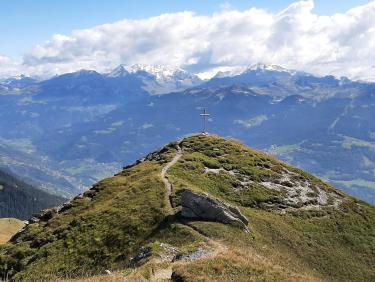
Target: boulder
(202,206)
(143,253)
(45,215)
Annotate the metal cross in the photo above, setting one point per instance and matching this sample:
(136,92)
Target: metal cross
(205,116)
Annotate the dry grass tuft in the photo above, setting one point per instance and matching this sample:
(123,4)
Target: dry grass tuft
(9,227)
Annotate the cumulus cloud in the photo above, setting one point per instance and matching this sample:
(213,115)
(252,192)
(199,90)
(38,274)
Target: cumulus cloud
(7,66)
(296,37)
(4,60)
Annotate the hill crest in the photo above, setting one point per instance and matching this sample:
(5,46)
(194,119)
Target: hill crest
(132,223)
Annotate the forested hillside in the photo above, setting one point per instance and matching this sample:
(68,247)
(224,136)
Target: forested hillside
(20,200)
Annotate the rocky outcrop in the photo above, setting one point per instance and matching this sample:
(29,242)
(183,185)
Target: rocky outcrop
(202,206)
(142,254)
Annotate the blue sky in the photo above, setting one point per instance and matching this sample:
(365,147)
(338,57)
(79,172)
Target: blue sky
(26,23)
(45,38)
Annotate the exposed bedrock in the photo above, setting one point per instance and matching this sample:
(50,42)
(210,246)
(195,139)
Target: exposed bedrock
(202,206)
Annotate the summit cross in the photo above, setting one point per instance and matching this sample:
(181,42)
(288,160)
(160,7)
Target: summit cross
(205,116)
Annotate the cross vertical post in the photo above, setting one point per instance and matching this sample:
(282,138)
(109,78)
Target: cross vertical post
(205,116)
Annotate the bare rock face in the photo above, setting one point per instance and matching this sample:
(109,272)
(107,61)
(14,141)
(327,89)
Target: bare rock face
(204,207)
(143,253)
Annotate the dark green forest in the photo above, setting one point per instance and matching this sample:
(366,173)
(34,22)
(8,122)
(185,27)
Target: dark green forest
(20,200)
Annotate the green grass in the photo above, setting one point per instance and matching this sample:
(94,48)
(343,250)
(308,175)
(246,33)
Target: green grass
(94,235)
(328,243)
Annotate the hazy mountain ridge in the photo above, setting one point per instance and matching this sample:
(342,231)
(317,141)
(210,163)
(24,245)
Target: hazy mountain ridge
(299,117)
(123,79)
(280,83)
(322,137)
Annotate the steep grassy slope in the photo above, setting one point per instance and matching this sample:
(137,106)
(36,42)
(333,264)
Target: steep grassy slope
(300,228)
(333,237)
(9,227)
(20,200)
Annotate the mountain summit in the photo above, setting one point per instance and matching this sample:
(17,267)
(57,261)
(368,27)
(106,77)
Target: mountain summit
(158,79)
(260,66)
(201,209)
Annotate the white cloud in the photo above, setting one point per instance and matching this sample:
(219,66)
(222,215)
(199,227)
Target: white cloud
(296,37)
(7,66)
(4,60)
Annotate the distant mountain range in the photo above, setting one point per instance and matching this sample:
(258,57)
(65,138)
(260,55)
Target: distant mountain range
(123,79)
(76,128)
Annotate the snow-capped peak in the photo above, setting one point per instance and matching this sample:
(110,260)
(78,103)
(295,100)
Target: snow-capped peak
(161,73)
(157,70)
(260,66)
(229,71)
(19,80)
(119,71)
(264,67)
(158,78)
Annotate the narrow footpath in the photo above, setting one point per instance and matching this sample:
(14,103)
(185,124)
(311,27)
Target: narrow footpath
(167,183)
(165,274)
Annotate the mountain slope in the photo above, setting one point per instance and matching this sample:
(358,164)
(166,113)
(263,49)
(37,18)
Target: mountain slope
(9,227)
(20,200)
(20,157)
(201,209)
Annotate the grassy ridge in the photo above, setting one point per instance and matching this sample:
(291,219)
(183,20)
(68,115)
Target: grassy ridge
(93,235)
(106,227)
